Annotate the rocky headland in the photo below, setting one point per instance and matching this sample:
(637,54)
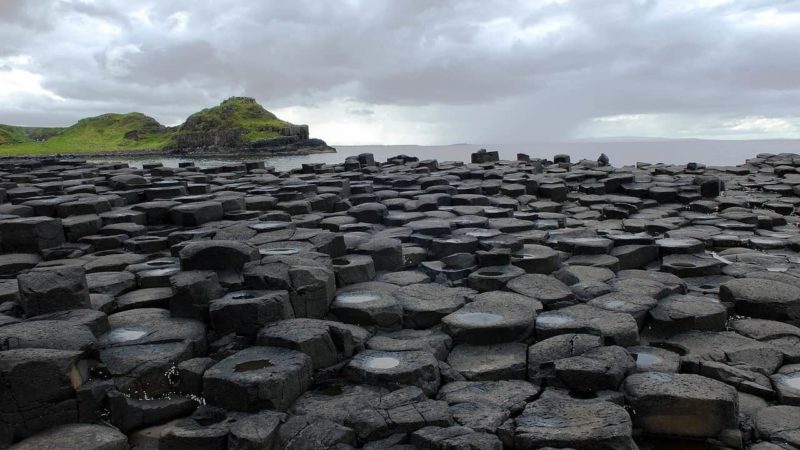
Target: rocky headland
(238,126)
(405,304)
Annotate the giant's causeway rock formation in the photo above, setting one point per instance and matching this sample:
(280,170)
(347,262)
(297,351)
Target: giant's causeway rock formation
(400,305)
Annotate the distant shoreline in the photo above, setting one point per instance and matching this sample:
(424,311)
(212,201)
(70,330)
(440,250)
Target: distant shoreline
(175,154)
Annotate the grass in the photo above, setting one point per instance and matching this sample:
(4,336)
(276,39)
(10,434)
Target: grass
(136,131)
(20,135)
(240,113)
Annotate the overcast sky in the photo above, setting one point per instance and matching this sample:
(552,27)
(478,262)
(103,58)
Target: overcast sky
(415,71)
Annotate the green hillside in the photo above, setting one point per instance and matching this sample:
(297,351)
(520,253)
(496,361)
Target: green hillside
(235,122)
(20,135)
(236,113)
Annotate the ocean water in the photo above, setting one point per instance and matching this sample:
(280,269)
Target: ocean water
(718,153)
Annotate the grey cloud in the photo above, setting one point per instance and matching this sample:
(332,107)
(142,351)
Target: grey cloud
(456,63)
(360,111)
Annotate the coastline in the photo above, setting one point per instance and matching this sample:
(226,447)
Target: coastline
(238,153)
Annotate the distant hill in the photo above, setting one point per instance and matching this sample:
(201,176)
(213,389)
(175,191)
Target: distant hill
(20,135)
(238,124)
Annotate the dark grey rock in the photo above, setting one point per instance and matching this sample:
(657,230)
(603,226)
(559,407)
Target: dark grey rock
(53,289)
(395,369)
(258,378)
(573,424)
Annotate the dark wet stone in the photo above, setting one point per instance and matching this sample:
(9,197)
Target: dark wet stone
(49,334)
(386,253)
(113,283)
(654,359)
(699,347)
(159,297)
(325,342)
(196,213)
(779,424)
(683,405)
(491,321)
(690,265)
(547,289)
(258,378)
(455,437)
(245,312)
(573,424)
(585,246)
(424,305)
(762,298)
(39,388)
(601,368)
(368,304)
(96,321)
(403,411)
(536,259)
(351,269)
(787,384)
(14,263)
(53,289)
(128,414)
(615,327)
(190,375)
(217,255)
(77,436)
(337,400)
(493,278)
(192,291)
(678,313)
(395,369)
(489,362)
(634,256)
(301,432)
(633,303)
(143,345)
(434,342)
(782,336)
(31,234)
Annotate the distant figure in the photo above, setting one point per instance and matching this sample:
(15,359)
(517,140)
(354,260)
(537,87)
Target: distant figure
(602,161)
(561,159)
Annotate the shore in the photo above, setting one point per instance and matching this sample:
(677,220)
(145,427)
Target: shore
(231,153)
(400,302)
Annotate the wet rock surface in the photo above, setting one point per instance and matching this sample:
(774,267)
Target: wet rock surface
(399,305)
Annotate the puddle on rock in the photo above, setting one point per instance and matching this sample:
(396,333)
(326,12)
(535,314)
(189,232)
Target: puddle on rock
(278,251)
(552,320)
(615,304)
(125,334)
(356,297)
(478,318)
(792,381)
(252,365)
(659,376)
(267,226)
(382,362)
(481,234)
(647,360)
(491,274)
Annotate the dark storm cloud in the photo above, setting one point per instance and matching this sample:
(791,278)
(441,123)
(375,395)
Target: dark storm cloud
(478,70)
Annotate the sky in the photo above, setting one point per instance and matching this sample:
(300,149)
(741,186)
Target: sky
(415,71)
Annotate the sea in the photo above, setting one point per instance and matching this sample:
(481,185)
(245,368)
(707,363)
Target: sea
(620,153)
